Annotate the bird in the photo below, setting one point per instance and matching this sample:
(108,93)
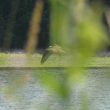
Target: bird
(56,49)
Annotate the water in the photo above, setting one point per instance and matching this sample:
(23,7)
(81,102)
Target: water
(31,95)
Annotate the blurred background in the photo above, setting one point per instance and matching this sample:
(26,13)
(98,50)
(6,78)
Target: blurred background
(77,79)
(15,16)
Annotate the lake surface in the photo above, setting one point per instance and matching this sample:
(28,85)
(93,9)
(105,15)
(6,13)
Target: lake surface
(31,95)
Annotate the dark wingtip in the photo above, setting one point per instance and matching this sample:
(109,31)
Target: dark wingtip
(42,62)
(44,57)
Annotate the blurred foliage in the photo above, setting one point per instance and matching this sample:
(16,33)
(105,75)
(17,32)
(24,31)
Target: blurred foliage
(52,82)
(75,27)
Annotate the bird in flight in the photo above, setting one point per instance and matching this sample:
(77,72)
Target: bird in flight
(51,50)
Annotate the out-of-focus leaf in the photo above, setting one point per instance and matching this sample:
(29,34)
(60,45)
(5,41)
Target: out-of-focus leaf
(54,84)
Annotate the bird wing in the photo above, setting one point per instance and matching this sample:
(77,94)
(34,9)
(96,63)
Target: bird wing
(45,56)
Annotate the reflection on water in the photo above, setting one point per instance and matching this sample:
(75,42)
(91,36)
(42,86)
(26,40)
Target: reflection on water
(32,96)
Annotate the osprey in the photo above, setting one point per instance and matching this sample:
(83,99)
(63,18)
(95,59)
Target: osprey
(51,50)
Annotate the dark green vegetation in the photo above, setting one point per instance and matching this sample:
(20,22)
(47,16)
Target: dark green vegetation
(15,17)
(16,14)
